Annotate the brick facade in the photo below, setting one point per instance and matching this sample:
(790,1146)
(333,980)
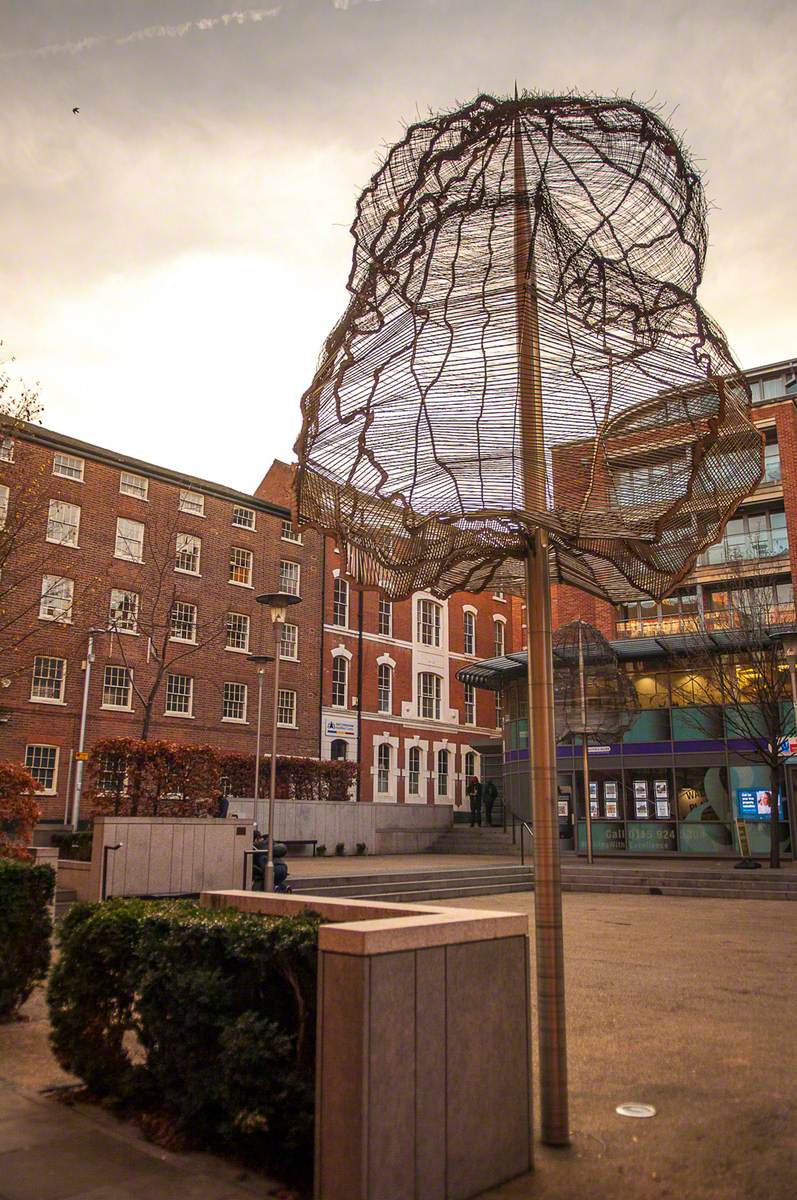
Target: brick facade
(351,716)
(95,569)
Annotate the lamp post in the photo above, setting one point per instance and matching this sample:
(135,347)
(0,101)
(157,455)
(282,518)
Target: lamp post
(278,603)
(82,735)
(260,659)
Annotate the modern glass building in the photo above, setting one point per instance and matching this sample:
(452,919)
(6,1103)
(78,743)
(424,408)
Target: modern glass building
(681,780)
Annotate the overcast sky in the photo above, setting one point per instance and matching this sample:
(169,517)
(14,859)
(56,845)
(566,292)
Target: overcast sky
(174,255)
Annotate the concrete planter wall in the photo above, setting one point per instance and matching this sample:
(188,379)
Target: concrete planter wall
(423,1067)
(384,828)
(168,856)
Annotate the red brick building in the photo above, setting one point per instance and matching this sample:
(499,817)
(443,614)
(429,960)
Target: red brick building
(760,540)
(165,568)
(391,698)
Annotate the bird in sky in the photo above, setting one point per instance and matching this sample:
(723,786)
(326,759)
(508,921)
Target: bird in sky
(75,111)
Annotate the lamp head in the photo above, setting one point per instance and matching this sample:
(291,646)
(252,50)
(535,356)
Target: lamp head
(278,602)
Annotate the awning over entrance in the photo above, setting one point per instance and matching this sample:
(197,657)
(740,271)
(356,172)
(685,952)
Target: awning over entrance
(493,674)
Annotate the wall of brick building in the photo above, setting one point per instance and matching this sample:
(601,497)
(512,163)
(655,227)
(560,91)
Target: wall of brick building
(364,646)
(95,570)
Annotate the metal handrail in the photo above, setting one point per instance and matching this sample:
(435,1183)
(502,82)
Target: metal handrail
(524,828)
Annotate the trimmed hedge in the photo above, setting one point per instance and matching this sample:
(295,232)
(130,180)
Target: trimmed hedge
(25,929)
(221,1005)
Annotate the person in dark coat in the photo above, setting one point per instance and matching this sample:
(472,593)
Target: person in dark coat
(475,795)
(490,796)
(222,805)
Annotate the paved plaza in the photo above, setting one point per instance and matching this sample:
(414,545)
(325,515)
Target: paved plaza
(684,1004)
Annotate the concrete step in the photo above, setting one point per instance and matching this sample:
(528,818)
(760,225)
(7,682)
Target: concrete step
(64,899)
(475,883)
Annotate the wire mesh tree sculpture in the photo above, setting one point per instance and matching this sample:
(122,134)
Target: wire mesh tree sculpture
(593,695)
(523,383)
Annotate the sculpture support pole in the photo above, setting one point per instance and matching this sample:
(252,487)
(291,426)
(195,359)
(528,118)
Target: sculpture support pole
(542,744)
(582,688)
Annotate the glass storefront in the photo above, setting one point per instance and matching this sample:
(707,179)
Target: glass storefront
(675,784)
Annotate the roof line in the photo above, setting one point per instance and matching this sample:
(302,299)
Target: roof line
(60,441)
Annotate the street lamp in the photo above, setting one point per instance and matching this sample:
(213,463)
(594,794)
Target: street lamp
(81,753)
(278,603)
(260,659)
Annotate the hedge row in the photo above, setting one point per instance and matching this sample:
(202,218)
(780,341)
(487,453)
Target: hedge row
(128,777)
(25,929)
(220,1007)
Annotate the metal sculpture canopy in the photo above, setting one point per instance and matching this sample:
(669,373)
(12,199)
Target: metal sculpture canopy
(582,222)
(611,703)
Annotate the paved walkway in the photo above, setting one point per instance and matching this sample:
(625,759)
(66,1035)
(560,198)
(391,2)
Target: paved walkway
(53,1151)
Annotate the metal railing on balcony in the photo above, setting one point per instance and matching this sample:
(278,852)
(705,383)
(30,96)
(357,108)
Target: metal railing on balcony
(782,614)
(744,547)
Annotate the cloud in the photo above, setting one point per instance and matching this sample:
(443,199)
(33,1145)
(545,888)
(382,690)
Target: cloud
(201,25)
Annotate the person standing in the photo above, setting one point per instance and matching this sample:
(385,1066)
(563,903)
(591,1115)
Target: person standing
(475,794)
(490,796)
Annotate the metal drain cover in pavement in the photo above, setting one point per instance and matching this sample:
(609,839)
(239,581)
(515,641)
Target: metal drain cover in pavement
(635,1110)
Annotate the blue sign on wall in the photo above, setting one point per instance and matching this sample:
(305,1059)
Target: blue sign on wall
(755,804)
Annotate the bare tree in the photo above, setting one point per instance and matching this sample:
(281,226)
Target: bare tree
(160,604)
(742,667)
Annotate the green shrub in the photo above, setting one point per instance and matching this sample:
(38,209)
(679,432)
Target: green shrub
(222,1008)
(361,847)
(321,850)
(25,928)
(340,848)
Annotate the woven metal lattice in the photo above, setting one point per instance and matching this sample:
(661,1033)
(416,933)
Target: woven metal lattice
(584,218)
(612,704)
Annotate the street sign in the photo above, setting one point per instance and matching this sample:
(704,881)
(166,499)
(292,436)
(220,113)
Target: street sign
(82,756)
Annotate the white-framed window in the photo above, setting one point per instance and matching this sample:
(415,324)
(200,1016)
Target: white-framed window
(289,641)
(499,638)
(442,772)
(6,449)
(188,553)
(129,540)
(234,705)
(237,631)
(123,614)
(192,502)
(340,680)
(430,692)
(499,710)
(241,566)
(113,777)
(286,708)
(133,485)
(179,695)
(470,765)
(289,534)
(385,618)
(414,771)
(383,756)
(339,750)
(42,762)
(384,688)
(49,679)
(63,523)
(67,466)
(183,625)
(117,688)
(340,603)
(4,498)
(429,623)
(499,596)
(243,518)
(470,704)
(290,577)
(56,599)
(469,632)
